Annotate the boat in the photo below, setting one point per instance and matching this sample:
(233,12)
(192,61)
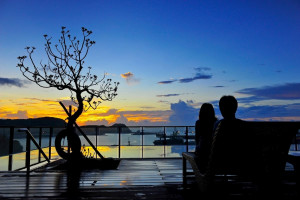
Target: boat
(171,141)
(142,133)
(174,139)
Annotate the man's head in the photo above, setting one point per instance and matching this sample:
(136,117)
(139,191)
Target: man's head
(228,106)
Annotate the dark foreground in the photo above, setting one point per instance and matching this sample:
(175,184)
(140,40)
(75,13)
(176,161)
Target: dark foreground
(134,179)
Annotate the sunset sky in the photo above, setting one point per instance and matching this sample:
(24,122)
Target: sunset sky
(170,56)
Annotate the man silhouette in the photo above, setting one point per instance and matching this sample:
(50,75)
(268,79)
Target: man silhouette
(228,106)
(229,137)
(234,150)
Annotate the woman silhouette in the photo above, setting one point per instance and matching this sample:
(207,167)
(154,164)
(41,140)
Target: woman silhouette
(204,133)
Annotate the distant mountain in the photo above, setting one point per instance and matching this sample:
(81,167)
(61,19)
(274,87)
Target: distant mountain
(34,122)
(110,129)
(124,128)
(4,143)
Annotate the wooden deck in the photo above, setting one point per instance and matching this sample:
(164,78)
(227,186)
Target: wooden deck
(134,179)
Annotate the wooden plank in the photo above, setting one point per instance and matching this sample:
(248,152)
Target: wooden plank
(135,179)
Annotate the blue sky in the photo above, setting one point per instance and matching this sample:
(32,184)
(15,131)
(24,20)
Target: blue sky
(169,56)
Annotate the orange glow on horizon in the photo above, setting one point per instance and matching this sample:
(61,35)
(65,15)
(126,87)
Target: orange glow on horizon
(144,117)
(36,108)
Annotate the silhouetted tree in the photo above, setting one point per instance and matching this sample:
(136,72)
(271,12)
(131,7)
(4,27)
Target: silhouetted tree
(64,71)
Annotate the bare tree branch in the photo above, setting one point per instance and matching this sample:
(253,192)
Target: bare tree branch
(64,70)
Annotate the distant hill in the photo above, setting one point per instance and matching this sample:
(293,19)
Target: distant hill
(125,129)
(110,129)
(34,122)
(4,143)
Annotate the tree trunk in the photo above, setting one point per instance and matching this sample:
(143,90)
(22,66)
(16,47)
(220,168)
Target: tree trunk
(73,138)
(73,118)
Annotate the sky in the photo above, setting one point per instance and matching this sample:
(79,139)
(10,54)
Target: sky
(170,57)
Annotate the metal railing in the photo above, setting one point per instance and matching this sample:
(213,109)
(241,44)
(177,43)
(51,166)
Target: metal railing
(18,145)
(118,142)
(29,137)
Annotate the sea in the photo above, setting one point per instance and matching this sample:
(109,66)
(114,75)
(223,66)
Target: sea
(132,144)
(111,145)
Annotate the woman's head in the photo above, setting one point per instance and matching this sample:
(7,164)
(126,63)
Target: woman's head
(207,111)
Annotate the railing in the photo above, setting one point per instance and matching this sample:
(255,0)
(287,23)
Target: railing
(19,150)
(117,142)
(29,137)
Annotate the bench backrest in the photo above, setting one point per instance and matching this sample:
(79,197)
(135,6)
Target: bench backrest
(253,148)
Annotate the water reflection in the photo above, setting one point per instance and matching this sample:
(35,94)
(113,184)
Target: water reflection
(137,142)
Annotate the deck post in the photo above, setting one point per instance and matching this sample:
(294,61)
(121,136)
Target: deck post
(40,143)
(119,130)
(70,113)
(142,142)
(27,161)
(187,138)
(50,142)
(165,141)
(10,148)
(296,145)
(184,181)
(97,133)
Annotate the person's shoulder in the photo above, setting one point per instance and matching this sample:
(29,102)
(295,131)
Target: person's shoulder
(240,124)
(218,122)
(240,121)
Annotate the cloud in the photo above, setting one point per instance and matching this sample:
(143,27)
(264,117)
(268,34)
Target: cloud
(250,100)
(265,112)
(127,75)
(167,82)
(183,114)
(288,91)
(138,116)
(122,120)
(68,103)
(147,107)
(109,112)
(37,99)
(21,114)
(130,79)
(131,118)
(142,118)
(168,95)
(162,101)
(218,86)
(12,82)
(97,122)
(200,74)
(186,80)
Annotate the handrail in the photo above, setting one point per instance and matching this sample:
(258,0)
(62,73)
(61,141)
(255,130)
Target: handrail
(186,134)
(34,142)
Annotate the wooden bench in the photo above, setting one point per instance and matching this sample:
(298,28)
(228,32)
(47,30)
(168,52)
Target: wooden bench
(294,159)
(265,151)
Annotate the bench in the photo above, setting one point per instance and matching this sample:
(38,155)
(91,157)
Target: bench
(294,159)
(261,160)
